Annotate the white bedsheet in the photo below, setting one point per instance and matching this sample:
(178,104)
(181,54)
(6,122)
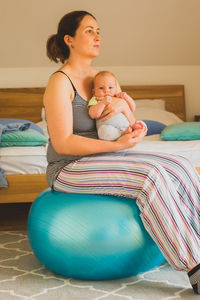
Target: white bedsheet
(32,160)
(188,149)
(23,160)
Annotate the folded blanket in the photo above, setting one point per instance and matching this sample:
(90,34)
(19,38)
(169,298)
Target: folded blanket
(6,128)
(3,181)
(10,127)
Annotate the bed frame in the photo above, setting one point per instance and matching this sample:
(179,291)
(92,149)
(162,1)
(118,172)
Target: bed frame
(26,103)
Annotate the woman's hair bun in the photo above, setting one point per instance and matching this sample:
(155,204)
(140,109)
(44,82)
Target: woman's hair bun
(54,50)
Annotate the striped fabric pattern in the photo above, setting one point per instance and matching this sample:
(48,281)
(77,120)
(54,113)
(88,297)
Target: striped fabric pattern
(166,189)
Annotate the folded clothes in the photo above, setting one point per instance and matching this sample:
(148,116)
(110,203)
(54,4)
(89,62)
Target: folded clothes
(13,125)
(10,127)
(3,181)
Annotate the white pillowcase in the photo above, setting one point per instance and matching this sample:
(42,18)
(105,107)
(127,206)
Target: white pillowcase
(155,103)
(146,109)
(43,116)
(43,125)
(154,114)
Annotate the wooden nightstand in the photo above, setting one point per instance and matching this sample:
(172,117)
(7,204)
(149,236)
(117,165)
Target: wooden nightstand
(197,118)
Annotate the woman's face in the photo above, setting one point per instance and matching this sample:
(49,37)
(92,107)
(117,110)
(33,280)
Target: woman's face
(87,38)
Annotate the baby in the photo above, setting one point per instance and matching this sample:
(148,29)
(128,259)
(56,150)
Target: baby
(104,88)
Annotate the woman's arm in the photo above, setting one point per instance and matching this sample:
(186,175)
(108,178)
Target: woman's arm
(58,106)
(128,99)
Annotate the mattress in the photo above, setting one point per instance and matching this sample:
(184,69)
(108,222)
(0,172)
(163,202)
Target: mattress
(32,160)
(23,160)
(187,149)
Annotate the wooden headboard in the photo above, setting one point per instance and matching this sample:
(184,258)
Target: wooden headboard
(21,103)
(173,95)
(26,103)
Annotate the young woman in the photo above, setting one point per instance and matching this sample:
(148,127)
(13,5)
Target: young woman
(167,188)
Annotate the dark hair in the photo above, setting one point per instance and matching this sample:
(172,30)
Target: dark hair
(57,50)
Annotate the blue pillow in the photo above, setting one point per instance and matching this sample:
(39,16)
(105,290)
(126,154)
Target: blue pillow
(32,125)
(154,127)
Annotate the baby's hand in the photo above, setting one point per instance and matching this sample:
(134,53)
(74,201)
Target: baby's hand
(105,100)
(108,99)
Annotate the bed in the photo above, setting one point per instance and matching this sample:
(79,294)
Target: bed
(22,103)
(26,103)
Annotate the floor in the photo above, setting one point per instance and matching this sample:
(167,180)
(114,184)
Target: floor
(13,216)
(23,277)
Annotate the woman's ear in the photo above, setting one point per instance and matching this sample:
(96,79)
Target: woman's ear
(68,40)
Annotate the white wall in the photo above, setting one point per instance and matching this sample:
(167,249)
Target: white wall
(143,42)
(134,32)
(144,75)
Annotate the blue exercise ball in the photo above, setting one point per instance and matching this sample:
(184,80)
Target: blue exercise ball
(93,237)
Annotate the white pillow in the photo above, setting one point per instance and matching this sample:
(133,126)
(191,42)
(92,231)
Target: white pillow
(43,117)
(155,114)
(43,125)
(155,103)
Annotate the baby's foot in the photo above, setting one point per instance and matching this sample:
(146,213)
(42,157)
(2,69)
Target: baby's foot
(139,125)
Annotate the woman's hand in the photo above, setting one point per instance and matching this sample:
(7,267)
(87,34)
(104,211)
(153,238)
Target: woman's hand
(116,106)
(128,99)
(131,137)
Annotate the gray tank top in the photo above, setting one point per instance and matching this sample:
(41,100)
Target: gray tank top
(82,125)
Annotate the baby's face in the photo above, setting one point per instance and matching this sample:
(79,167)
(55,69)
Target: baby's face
(105,86)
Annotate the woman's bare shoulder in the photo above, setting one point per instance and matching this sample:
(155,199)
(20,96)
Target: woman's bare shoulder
(59,79)
(58,85)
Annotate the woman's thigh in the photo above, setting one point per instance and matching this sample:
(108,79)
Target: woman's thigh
(158,183)
(101,174)
(120,173)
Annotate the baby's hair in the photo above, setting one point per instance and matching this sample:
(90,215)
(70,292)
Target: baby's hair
(102,74)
